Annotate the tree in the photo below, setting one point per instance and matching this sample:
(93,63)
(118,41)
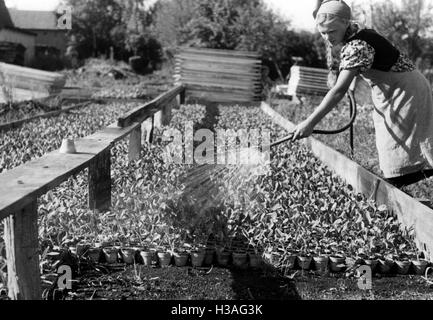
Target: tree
(124,25)
(93,22)
(234,24)
(170,20)
(406,25)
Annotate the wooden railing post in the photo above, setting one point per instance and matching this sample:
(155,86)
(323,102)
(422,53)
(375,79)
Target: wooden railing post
(134,144)
(22,253)
(147,129)
(100,181)
(180,99)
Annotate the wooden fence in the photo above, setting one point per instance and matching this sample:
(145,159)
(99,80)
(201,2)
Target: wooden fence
(20,187)
(219,75)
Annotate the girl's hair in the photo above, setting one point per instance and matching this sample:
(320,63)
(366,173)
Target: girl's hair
(331,61)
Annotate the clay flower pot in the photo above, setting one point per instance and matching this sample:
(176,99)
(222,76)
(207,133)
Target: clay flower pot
(290,262)
(94,254)
(164,258)
(128,255)
(353,263)
(255,260)
(337,263)
(148,257)
(372,263)
(304,262)
(209,256)
(419,266)
(385,265)
(273,258)
(181,258)
(240,260)
(110,254)
(321,264)
(197,258)
(223,258)
(81,248)
(403,266)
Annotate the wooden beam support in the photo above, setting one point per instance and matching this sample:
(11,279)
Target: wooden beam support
(141,113)
(134,144)
(22,253)
(100,181)
(18,123)
(409,211)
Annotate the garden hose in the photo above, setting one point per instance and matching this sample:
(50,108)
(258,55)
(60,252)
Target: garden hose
(352,106)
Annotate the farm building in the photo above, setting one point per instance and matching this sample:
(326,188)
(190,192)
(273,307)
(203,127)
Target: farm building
(44,25)
(16,45)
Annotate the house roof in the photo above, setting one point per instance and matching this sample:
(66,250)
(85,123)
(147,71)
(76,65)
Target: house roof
(5,18)
(20,30)
(34,20)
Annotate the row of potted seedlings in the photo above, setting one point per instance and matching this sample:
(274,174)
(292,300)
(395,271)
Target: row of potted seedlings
(324,264)
(201,256)
(243,257)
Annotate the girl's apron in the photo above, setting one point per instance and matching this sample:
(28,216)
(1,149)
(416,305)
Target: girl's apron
(403,120)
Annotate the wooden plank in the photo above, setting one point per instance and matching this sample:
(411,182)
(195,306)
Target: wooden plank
(221,52)
(17,123)
(100,181)
(214,67)
(309,79)
(219,97)
(112,133)
(221,84)
(22,185)
(256,76)
(409,211)
(208,76)
(141,113)
(242,73)
(22,253)
(197,87)
(134,147)
(216,59)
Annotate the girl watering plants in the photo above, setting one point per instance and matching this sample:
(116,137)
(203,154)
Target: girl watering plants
(402,96)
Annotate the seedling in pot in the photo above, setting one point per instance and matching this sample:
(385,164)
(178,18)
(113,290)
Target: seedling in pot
(337,263)
(180,257)
(403,265)
(147,256)
(321,263)
(240,259)
(111,254)
(197,257)
(223,256)
(385,264)
(128,255)
(419,265)
(94,254)
(254,258)
(305,258)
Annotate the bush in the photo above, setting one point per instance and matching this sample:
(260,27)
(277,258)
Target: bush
(138,64)
(48,63)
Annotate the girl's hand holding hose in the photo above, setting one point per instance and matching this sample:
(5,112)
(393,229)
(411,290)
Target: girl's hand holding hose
(303,130)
